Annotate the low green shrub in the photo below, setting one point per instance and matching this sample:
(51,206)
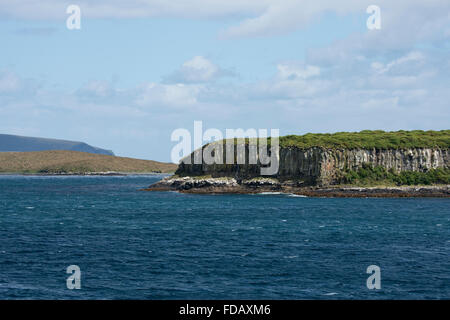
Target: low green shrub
(368,175)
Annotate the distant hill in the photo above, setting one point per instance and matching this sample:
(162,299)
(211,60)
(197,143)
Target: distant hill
(63,161)
(22,144)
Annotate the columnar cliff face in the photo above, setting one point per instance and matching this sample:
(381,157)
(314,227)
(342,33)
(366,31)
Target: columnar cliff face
(322,166)
(417,159)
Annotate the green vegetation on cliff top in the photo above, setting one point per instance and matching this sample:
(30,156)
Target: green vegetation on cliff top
(365,139)
(370,140)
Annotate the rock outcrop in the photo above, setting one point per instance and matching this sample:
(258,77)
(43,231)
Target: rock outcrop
(322,166)
(397,164)
(201,185)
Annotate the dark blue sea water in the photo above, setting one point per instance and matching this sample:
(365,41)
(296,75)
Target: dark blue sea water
(131,244)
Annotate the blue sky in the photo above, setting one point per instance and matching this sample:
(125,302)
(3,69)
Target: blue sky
(135,73)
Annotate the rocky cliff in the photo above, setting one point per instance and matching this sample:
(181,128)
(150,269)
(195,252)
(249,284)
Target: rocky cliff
(322,166)
(366,163)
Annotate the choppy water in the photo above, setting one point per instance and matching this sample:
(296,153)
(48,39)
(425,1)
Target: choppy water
(132,244)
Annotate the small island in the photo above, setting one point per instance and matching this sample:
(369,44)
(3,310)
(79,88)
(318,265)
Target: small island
(48,156)
(65,162)
(345,164)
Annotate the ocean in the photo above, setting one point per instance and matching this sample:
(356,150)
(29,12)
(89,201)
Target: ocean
(132,244)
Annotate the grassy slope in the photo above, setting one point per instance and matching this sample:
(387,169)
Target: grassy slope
(365,139)
(61,161)
(370,139)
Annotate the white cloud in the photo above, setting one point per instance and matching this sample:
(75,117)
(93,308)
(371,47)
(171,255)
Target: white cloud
(292,71)
(410,57)
(97,88)
(13,87)
(412,19)
(158,95)
(199,69)
(410,93)
(383,79)
(412,78)
(9,82)
(196,70)
(282,16)
(55,9)
(384,103)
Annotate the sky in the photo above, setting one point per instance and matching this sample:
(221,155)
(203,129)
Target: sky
(137,70)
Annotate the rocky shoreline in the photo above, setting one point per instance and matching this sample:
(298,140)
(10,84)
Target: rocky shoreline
(224,185)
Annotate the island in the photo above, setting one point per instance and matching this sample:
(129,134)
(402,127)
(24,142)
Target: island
(65,162)
(14,143)
(344,164)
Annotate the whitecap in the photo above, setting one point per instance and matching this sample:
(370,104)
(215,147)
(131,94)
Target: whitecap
(269,193)
(277,193)
(297,195)
(330,294)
